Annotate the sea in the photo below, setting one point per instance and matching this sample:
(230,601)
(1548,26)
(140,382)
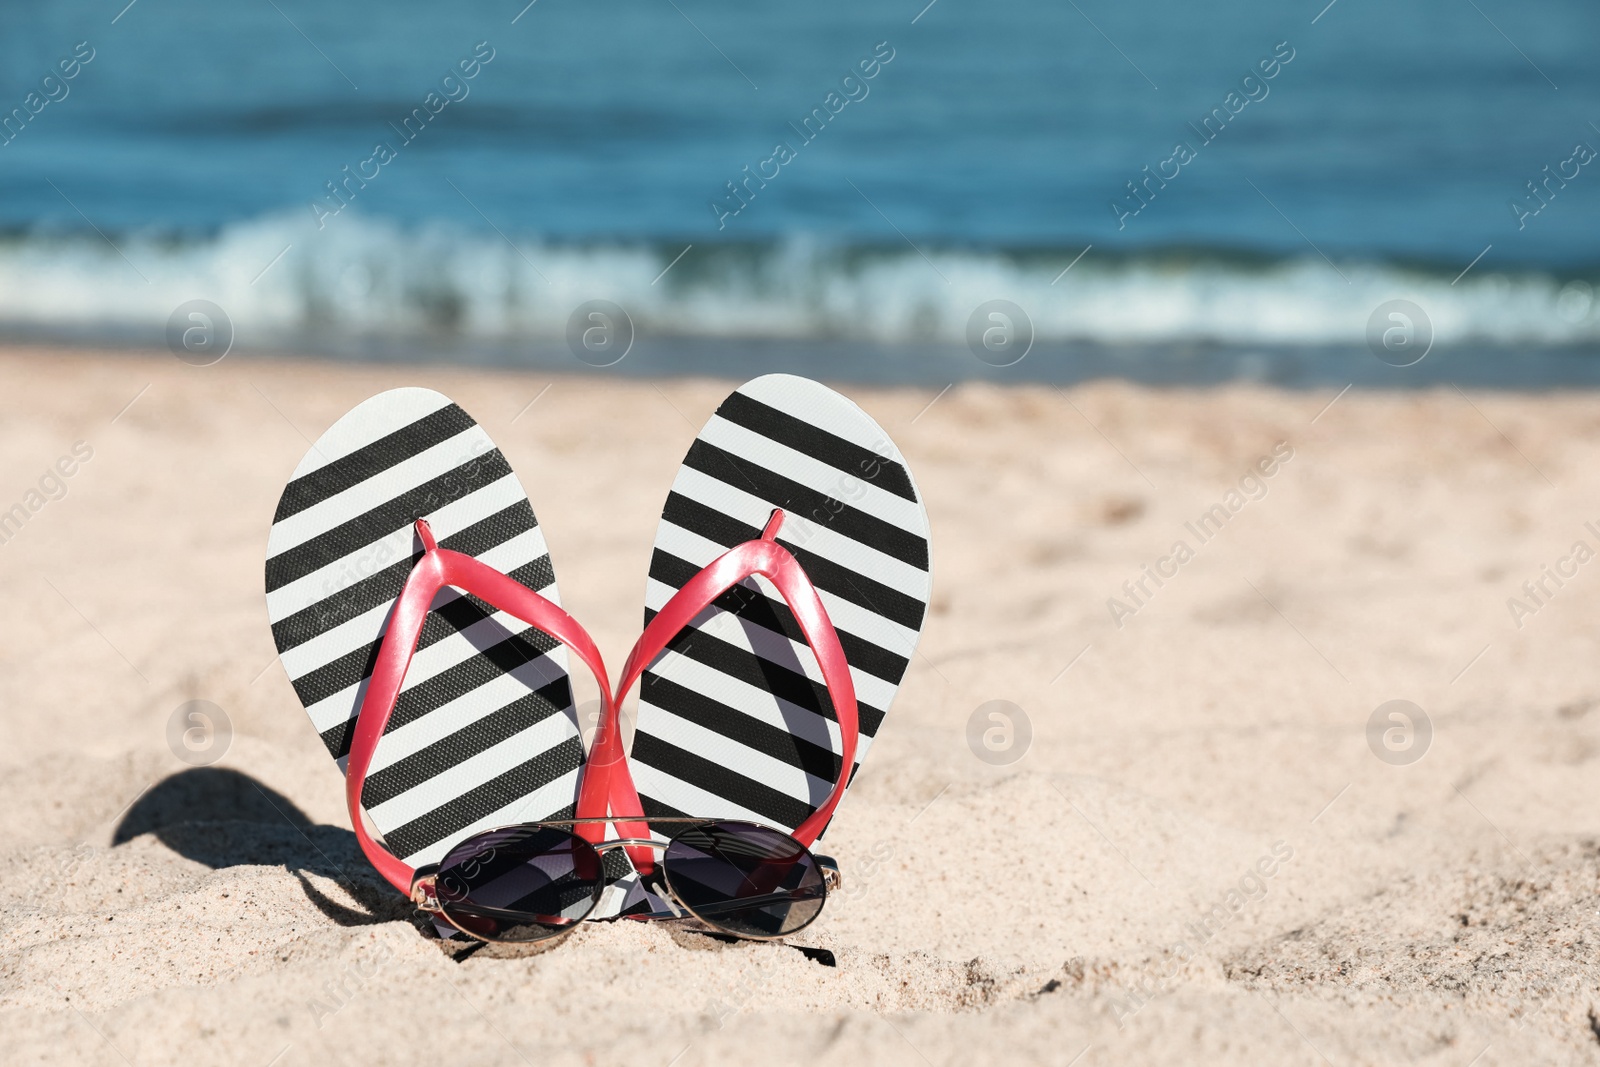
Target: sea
(890,191)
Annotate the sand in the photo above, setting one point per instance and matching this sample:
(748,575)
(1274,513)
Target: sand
(1198,858)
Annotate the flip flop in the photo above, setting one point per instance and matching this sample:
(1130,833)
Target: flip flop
(484,732)
(734,720)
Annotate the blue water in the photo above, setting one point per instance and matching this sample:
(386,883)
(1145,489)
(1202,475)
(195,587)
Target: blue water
(976,163)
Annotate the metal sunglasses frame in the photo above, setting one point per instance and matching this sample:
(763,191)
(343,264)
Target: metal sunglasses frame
(425,892)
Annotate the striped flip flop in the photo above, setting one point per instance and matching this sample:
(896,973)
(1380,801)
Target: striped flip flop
(484,732)
(734,720)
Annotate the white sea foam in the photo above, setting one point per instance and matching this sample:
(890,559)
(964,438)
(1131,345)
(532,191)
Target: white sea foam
(365,277)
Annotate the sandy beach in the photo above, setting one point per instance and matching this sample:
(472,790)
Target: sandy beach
(1195,850)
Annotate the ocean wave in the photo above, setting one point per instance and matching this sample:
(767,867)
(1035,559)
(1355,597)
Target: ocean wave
(281,278)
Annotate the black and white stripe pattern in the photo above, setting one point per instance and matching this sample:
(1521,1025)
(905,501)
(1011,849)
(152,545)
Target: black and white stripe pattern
(484,733)
(734,720)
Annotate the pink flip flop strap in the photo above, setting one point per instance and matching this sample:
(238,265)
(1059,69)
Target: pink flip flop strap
(607,789)
(608,783)
(438,568)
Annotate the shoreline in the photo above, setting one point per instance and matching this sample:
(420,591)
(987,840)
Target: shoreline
(1549,370)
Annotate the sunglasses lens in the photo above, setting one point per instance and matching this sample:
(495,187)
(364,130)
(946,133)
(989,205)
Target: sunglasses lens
(746,879)
(521,884)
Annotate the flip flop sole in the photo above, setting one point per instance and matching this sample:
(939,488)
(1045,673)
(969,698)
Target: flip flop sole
(734,720)
(484,732)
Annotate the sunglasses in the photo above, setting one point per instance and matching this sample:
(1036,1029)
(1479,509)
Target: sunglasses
(537,881)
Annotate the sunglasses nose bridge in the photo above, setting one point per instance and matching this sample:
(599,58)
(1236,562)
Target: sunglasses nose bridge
(624,842)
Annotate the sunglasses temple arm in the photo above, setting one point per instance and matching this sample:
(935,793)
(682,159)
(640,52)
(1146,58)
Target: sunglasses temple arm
(775,563)
(436,569)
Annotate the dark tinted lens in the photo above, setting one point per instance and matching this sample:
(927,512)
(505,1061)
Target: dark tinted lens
(521,884)
(745,879)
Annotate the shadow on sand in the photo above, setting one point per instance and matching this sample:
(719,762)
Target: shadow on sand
(223,818)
